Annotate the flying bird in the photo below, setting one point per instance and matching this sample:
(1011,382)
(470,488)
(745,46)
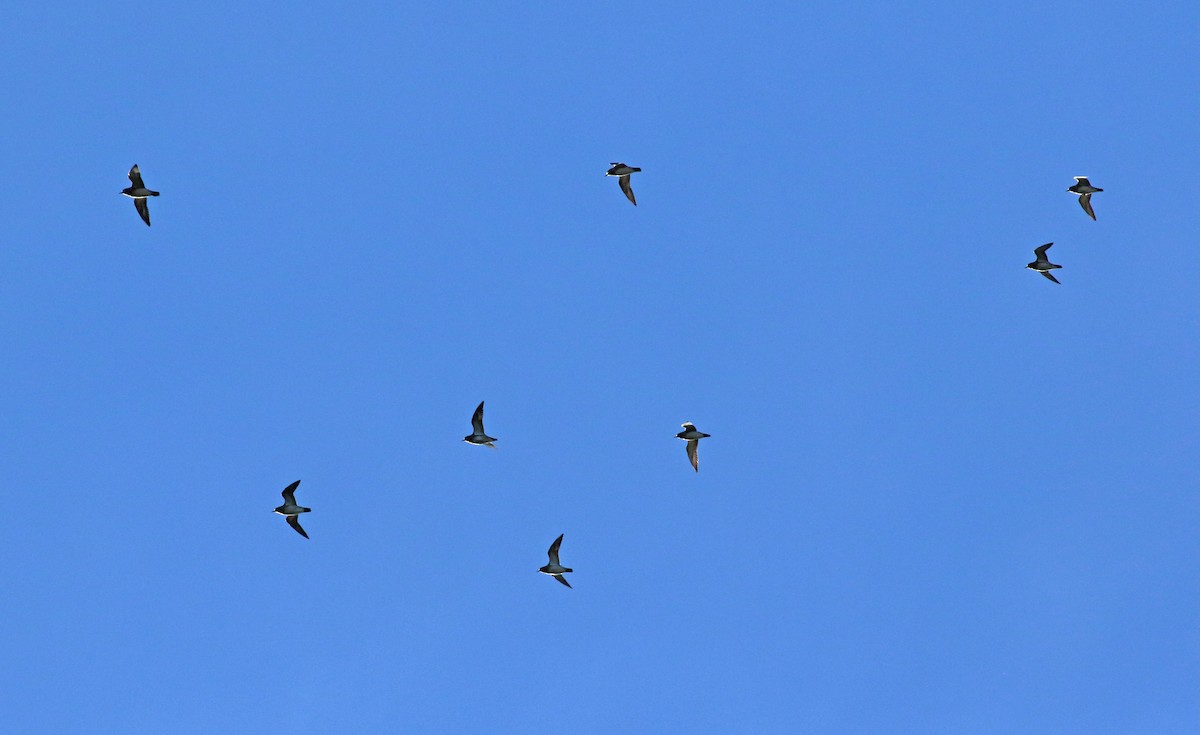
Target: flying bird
(1042,264)
(291,510)
(138,193)
(478,436)
(623,171)
(692,437)
(555,569)
(1084,189)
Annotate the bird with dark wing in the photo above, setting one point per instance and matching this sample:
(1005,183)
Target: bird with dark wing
(622,172)
(1042,264)
(138,193)
(554,568)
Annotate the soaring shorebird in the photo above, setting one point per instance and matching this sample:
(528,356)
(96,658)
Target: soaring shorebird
(1084,189)
(555,569)
(1042,264)
(478,436)
(138,193)
(291,510)
(692,437)
(623,171)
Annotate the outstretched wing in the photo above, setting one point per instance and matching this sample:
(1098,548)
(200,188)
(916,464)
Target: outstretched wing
(1085,201)
(563,579)
(553,552)
(1040,252)
(692,446)
(1049,275)
(289,493)
(135,177)
(477,419)
(625,187)
(1081,181)
(143,209)
(294,522)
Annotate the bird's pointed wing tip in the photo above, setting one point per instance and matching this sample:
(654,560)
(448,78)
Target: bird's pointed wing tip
(143,210)
(1085,201)
(294,522)
(628,189)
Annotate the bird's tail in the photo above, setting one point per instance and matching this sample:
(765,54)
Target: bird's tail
(633,170)
(154,193)
(565,570)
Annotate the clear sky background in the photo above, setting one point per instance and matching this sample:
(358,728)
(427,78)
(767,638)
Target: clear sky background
(942,495)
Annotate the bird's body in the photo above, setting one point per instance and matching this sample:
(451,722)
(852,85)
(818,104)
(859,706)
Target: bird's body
(478,435)
(1042,264)
(692,437)
(555,568)
(1084,189)
(622,171)
(291,509)
(138,193)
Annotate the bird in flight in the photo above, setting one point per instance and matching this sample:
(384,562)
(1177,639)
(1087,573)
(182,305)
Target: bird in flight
(291,510)
(692,437)
(623,171)
(138,193)
(1084,189)
(478,436)
(1042,264)
(554,569)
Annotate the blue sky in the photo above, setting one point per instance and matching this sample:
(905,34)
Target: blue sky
(942,494)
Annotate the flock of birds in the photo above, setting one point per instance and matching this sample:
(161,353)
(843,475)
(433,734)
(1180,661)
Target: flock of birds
(690,434)
(1085,190)
(292,510)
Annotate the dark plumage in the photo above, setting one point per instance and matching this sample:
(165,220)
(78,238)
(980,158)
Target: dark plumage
(1084,189)
(622,171)
(479,436)
(1042,264)
(692,437)
(138,192)
(291,510)
(554,568)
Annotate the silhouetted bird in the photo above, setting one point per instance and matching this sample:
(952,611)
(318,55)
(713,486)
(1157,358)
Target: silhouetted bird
(291,510)
(555,569)
(138,193)
(1084,189)
(623,171)
(478,436)
(1042,264)
(692,437)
